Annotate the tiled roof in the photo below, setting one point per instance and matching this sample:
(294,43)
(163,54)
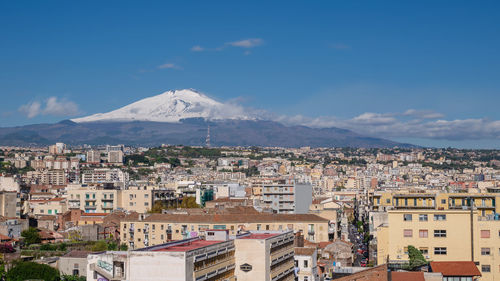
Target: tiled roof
(77,254)
(455,268)
(407,276)
(304,251)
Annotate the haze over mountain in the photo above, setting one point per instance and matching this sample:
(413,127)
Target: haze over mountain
(183,117)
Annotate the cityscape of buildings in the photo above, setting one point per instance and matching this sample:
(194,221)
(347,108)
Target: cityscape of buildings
(174,212)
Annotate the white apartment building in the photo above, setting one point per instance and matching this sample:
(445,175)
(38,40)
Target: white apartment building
(266,256)
(306,264)
(287,197)
(104,175)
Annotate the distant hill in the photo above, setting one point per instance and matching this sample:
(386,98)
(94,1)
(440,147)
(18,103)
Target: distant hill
(182,117)
(188,132)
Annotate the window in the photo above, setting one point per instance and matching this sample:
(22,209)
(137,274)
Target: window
(422,217)
(305,264)
(408,233)
(306,278)
(485,268)
(76,272)
(440,251)
(407,217)
(258,226)
(439,233)
(485,234)
(439,217)
(267,226)
(423,233)
(388,201)
(443,201)
(424,251)
(485,251)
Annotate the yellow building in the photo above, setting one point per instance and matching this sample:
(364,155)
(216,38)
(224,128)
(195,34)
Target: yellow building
(442,235)
(140,230)
(93,200)
(484,202)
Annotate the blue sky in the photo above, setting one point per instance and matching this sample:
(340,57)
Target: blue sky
(425,72)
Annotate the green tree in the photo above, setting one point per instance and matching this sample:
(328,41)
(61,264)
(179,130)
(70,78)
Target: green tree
(112,246)
(158,206)
(31,270)
(31,236)
(189,202)
(123,247)
(100,246)
(415,257)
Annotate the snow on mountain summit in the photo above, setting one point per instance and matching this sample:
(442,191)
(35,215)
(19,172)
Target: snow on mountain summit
(171,107)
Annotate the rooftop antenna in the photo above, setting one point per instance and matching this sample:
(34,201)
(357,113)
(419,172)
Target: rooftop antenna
(207,140)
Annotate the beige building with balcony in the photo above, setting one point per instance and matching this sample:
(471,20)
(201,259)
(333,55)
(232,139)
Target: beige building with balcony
(442,235)
(142,230)
(93,200)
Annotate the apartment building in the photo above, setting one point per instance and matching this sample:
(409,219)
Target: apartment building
(9,204)
(442,235)
(104,175)
(266,256)
(486,203)
(52,206)
(93,200)
(287,197)
(115,157)
(142,230)
(306,262)
(93,156)
(48,177)
(136,200)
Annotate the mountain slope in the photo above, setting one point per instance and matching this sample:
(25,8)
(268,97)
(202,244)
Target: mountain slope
(188,132)
(171,106)
(182,117)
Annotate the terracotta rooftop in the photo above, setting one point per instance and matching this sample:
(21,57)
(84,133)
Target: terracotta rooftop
(407,276)
(455,268)
(259,236)
(188,246)
(304,251)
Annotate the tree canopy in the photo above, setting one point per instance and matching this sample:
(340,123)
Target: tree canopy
(31,270)
(31,236)
(415,257)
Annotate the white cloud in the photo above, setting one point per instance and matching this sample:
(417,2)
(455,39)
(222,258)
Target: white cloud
(424,114)
(247,43)
(409,124)
(370,118)
(197,48)
(168,66)
(53,107)
(31,109)
(62,107)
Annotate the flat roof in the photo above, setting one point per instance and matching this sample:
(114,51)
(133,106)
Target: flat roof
(188,246)
(260,236)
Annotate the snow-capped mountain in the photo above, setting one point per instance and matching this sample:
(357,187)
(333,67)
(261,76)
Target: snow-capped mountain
(171,107)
